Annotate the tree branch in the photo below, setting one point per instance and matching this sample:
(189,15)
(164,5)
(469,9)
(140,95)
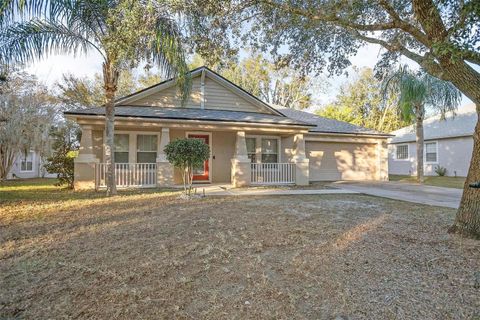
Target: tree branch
(425,61)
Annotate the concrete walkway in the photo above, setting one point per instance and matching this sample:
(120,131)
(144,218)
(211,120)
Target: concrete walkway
(227,190)
(411,192)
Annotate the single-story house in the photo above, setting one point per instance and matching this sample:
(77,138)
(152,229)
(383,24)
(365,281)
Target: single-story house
(251,142)
(28,165)
(448,144)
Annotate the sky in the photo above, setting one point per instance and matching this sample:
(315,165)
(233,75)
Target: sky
(50,70)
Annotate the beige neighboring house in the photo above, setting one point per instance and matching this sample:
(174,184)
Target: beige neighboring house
(251,142)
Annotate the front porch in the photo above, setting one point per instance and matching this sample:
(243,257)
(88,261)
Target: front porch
(239,158)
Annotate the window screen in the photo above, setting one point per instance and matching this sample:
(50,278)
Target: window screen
(431,152)
(146,148)
(121,142)
(27,162)
(269,150)
(402,152)
(251,149)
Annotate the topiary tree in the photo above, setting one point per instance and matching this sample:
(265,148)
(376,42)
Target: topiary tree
(186,154)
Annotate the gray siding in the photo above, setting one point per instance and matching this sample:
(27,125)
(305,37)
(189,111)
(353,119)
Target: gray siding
(453,154)
(37,169)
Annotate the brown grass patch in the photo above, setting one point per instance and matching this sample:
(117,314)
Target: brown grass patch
(154,256)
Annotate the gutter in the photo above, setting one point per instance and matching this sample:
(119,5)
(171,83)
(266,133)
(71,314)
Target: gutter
(75,116)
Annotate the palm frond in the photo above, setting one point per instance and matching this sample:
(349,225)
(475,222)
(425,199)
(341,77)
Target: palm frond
(26,41)
(17,10)
(165,49)
(442,95)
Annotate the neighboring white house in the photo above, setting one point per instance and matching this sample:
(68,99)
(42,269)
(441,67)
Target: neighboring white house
(448,144)
(29,165)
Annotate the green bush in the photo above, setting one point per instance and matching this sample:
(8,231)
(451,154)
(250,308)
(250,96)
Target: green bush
(441,171)
(65,140)
(186,154)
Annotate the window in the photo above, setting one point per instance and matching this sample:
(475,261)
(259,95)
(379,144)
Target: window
(431,152)
(252,149)
(121,142)
(402,152)
(146,148)
(27,162)
(269,150)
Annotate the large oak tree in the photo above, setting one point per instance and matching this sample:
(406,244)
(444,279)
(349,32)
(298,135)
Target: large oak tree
(442,36)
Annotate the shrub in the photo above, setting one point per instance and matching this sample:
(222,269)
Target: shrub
(440,171)
(186,154)
(61,162)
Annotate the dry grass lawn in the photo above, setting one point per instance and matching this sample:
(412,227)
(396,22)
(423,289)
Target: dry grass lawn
(153,256)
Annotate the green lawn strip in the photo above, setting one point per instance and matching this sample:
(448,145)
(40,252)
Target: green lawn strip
(448,182)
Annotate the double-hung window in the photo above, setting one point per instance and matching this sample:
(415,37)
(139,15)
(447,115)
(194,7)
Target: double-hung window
(402,152)
(269,150)
(121,142)
(26,163)
(431,152)
(146,148)
(252,149)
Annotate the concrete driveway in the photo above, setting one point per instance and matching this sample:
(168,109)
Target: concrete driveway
(412,192)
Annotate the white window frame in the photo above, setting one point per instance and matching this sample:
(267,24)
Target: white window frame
(33,162)
(132,143)
(258,145)
(408,152)
(138,150)
(128,149)
(425,152)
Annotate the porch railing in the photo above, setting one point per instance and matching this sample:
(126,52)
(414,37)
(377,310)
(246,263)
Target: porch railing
(272,173)
(138,175)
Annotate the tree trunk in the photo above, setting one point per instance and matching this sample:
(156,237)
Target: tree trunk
(7,158)
(110,77)
(467,221)
(419,115)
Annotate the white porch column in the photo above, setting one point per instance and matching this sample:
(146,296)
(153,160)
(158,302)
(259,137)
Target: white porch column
(241,168)
(382,154)
(164,168)
(302,177)
(84,164)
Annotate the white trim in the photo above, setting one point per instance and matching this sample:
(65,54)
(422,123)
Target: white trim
(249,97)
(188,122)
(425,152)
(202,90)
(33,161)
(258,146)
(408,152)
(133,133)
(203,71)
(210,159)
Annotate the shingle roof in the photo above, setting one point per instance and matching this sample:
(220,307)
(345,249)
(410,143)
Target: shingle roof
(191,114)
(326,125)
(458,124)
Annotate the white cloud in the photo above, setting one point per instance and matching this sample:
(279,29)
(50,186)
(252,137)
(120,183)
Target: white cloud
(51,69)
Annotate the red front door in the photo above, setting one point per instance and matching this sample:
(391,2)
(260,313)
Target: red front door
(201,173)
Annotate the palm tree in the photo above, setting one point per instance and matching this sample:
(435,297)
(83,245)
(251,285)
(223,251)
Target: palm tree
(124,33)
(417,91)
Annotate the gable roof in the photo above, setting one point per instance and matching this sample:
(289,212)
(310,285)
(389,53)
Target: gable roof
(460,123)
(326,125)
(127,100)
